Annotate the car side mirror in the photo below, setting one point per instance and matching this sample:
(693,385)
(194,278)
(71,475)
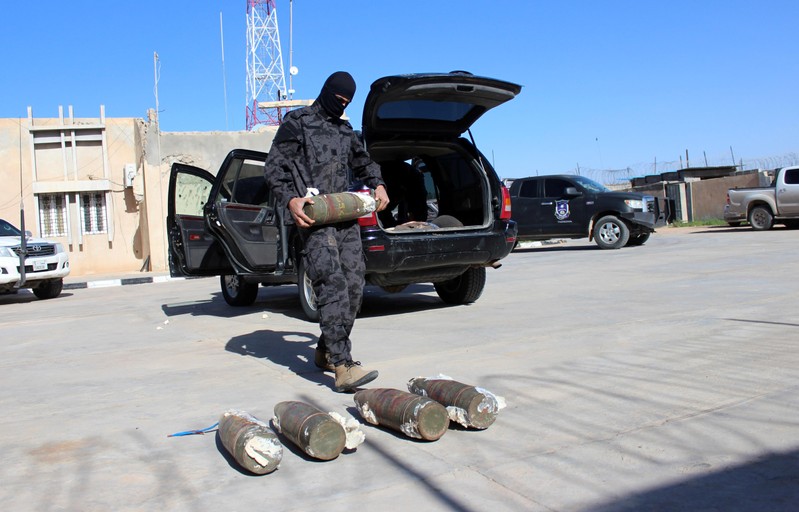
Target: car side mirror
(573,192)
(28,234)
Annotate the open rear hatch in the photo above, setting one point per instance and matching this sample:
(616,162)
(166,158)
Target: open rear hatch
(437,105)
(436,180)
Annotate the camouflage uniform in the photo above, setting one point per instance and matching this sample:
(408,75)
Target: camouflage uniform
(314,150)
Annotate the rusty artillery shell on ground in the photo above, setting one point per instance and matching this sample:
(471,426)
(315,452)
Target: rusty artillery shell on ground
(413,415)
(467,405)
(339,207)
(314,431)
(250,441)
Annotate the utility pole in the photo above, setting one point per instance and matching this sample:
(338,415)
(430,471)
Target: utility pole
(224,75)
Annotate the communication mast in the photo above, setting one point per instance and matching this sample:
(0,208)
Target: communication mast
(266,82)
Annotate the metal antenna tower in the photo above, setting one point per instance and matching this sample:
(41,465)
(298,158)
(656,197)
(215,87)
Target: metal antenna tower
(266,81)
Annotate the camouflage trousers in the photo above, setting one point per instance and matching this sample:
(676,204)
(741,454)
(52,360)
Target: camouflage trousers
(334,262)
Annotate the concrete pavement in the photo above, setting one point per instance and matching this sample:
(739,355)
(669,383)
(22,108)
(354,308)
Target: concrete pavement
(661,377)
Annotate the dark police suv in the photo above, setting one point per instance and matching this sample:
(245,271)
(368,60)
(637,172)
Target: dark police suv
(228,225)
(565,206)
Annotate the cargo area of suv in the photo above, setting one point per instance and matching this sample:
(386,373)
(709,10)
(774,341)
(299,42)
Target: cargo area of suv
(450,186)
(461,223)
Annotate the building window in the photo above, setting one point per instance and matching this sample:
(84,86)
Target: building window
(92,213)
(52,215)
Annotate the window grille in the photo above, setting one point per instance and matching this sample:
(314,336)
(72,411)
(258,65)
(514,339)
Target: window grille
(52,215)
(93,213)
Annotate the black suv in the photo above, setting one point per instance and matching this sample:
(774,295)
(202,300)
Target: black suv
(567,206)
(412,124)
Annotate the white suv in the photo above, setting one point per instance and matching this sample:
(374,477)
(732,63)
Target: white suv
(46,263)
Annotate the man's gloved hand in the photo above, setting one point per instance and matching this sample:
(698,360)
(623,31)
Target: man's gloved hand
(381,196)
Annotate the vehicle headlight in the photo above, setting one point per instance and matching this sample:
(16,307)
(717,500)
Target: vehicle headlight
(59,248)
(635,204)
(6,252)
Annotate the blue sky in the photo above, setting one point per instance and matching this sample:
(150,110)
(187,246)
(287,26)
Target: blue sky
(608,85)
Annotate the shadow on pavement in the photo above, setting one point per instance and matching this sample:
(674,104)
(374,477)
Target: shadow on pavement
(377,303)
(284,300)
(206,307)
(556,248)
(24,296)
(449,500)
(770,482)
(761,322)
(294,350)
(736,229)
(230,460)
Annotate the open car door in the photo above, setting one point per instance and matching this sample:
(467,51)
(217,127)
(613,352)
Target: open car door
(241,215)
(222,225)
(193,251)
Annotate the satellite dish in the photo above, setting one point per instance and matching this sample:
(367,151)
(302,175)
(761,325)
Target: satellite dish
(293,70)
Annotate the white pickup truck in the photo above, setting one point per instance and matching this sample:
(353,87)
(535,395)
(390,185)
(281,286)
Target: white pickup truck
(762,207)
(46,263)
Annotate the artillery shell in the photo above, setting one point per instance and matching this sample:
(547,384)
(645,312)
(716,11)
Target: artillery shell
(415,416)
(467,405)
(339,207)
(314,431)
(250,441)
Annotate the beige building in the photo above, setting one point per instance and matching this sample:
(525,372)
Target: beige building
(99,185)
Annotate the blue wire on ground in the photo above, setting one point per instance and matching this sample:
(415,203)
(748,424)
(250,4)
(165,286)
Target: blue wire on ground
(193,432)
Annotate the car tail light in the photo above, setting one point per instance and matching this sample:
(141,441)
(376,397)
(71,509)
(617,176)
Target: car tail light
(728,198)
(504,214)
(370,219)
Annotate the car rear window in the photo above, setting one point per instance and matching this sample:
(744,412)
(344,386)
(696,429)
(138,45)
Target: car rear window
(424,109)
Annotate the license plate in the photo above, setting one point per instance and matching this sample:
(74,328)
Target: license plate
(39,266)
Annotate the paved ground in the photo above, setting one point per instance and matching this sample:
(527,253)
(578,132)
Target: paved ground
(662,377)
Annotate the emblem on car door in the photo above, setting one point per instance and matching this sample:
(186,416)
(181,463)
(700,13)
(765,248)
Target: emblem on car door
(562,209)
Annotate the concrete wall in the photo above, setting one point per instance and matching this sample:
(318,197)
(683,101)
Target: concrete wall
(707,197)
(700,199)
(136,236)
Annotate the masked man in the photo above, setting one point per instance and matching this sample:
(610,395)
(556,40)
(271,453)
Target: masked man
(315,148)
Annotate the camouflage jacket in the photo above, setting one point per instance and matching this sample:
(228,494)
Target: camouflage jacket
(312,150)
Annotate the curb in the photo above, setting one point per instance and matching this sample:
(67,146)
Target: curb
(106,283)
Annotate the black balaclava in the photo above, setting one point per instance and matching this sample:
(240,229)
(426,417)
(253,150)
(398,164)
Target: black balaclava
(340,83)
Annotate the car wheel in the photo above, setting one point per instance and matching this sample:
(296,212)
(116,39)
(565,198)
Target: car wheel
(638,239)
(611,232)
(238,292)
(306,294)
(49,289)
(760,218)
(465,288)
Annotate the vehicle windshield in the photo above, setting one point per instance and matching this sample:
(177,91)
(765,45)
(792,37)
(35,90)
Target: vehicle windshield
(7,229)
(590,185)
